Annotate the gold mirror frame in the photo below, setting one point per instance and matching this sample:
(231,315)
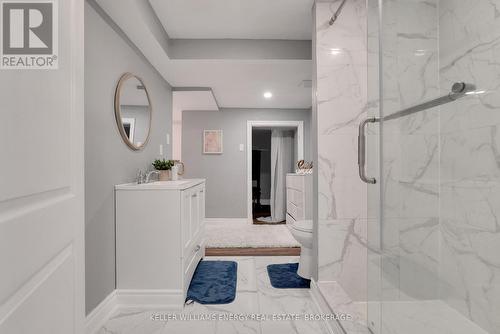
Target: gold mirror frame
(118,116)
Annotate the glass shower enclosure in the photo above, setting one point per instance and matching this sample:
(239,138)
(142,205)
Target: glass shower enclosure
(433,166)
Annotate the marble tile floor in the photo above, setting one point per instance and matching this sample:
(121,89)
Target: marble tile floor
(255,295)
(398,317)
(425,316)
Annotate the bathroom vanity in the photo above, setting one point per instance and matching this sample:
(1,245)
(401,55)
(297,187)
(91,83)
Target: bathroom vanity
(159,239)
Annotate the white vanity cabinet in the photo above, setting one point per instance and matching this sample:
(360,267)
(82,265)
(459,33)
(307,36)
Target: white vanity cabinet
(192,230)
(159,238)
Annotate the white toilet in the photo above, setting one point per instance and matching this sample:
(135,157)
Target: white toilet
(302,232)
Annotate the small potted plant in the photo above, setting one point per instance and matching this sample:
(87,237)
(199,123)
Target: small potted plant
(163,166)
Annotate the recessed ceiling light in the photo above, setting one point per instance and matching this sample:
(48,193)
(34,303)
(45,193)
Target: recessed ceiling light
(268,95)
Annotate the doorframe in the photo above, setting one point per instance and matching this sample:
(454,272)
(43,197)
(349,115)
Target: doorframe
(299,125)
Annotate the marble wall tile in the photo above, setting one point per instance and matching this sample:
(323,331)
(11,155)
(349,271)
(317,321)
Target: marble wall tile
(353,276)
(341,59)
(440,173)
(341,193)
(410,62)
(410,151)
(341,67)
(470,51)
(470,268)
(333,237)
(419,258)
(471,155)
(347,261)
(469,42)
(373,133)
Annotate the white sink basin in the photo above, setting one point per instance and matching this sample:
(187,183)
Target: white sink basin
(179,184)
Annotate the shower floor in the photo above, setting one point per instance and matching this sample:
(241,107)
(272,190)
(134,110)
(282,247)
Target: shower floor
(399,317)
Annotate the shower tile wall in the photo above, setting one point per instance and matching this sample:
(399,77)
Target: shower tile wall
(469,42)
(441,167)
(342,100)
(373,309)
(410,145)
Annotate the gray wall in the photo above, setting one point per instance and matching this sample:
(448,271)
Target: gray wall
(226,174)
(108,161)
(239,49)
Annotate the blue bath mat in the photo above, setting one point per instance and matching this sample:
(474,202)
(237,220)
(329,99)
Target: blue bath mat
(214,282)
(284,276)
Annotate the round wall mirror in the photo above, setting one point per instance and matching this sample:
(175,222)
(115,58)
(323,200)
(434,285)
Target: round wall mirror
(133,111)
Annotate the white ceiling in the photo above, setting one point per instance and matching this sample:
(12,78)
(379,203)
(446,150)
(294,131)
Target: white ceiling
(236,83)
(237,19)
(194,100)
(241,84)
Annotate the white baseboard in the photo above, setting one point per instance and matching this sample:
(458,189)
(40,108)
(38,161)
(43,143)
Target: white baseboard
(332,326)
(126,299)
(210,221)
(98,317)
(150,299)
(174,300)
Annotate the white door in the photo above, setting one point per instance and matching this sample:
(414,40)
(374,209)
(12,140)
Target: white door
(41,190)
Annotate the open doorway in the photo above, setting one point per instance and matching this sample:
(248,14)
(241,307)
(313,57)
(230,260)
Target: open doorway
(261,174)
(273,150)
(273,156)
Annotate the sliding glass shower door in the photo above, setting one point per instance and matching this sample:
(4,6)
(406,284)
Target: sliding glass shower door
(433,148)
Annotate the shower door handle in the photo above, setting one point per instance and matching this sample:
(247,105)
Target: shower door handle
(362,151)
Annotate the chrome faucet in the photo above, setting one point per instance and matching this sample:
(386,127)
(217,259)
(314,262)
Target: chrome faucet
(148,175)
(140,177)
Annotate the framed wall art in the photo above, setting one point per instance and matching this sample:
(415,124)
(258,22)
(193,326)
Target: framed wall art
(212,142)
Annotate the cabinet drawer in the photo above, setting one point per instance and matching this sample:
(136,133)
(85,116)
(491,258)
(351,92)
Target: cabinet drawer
(295,196)
(297,212)
(295,182)
(291,209)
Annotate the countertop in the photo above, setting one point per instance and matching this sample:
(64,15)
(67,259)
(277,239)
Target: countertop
(161,185)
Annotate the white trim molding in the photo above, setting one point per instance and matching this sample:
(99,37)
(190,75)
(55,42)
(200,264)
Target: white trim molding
(150,299)
(123,299)
(299,125)
(98,317)
(332,326)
